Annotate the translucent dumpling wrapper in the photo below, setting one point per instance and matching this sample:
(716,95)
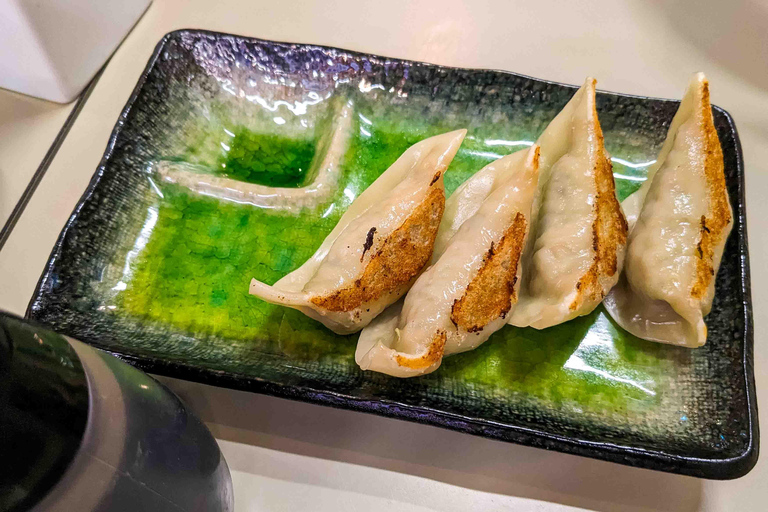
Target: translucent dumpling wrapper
(470,289)
(677,241)
(378,248)
(469,196)
(579,233)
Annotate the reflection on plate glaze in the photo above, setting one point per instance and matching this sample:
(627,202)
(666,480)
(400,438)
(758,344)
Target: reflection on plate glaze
(141,242)
(324,173)
(587,365)
(596,352)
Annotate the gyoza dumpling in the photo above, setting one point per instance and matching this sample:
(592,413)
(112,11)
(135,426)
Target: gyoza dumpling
(466,295)
(381,243)
(676,245)
(579,235)
(469,196)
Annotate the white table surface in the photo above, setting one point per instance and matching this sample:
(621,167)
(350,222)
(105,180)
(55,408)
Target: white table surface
(286,455)
(28,127)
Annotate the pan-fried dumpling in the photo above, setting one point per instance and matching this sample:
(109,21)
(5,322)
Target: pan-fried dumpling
(469,196)
(381,243)
(466,295)
(579,236)
(677,242)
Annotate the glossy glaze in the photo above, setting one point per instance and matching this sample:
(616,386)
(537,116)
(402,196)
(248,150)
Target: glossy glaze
(264,170)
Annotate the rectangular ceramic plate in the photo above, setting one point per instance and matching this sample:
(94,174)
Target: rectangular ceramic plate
(159,275)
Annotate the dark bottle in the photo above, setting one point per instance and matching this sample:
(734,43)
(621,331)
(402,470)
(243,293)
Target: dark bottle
(81,430)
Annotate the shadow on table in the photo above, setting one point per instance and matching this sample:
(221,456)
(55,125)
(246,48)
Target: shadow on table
(433,453)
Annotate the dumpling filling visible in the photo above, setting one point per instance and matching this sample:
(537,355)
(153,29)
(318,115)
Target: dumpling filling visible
(471,288)
(678,239)
(381,243)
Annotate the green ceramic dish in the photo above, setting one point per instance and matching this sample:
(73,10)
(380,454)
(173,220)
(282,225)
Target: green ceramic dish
(158,274)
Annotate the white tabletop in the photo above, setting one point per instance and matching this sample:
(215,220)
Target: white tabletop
(286,455)
(28,127)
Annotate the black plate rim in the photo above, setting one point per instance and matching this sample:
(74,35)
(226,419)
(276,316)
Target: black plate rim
(710,468)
